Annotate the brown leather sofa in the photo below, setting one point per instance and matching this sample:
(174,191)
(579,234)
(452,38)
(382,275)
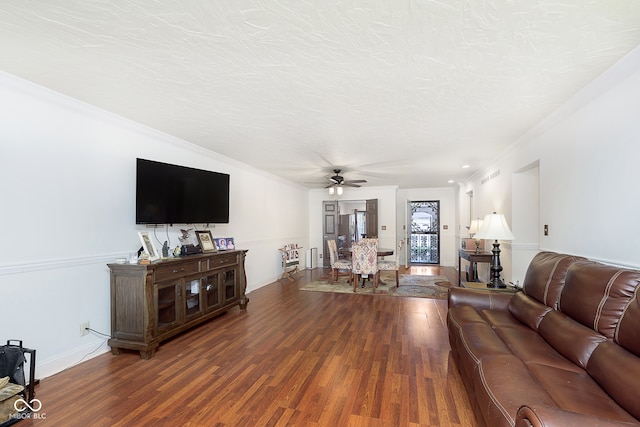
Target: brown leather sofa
(563,352)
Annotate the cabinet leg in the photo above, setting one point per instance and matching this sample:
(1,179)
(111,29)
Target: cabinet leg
(115,351)
(147,354)
(243,303)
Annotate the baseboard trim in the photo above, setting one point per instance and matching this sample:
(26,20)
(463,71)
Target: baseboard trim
(71,358)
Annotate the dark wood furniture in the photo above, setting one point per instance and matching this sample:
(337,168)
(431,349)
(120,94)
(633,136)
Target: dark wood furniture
(483,286)
(381,252)
(150,303)
(473,257)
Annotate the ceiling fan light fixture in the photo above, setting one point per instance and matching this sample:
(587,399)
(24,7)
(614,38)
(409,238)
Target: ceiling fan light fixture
(339,189)
(332,190)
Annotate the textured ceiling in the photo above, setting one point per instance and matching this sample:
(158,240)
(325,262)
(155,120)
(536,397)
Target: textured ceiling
(394,92)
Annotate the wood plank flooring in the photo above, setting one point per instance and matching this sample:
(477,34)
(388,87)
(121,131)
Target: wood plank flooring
(293,358)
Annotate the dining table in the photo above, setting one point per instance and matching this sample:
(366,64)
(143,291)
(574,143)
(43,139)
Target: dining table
(382,252)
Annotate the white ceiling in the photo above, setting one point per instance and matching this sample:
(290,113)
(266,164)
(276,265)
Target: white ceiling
(397,92)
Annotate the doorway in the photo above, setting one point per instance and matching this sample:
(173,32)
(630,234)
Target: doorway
(347,221)
(424,232)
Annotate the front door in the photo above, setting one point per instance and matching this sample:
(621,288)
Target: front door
(424,232)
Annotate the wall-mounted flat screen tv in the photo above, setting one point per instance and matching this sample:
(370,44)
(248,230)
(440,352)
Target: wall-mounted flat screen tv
(172,194)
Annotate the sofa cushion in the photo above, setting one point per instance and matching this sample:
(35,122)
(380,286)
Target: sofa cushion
(628,333)
(527,310)
(574,341)
(577,391)
(530,347)
(501,384)
(617,371)
(545,276)
(596,295)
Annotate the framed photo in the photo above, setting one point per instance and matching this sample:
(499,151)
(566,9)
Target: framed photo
(207,244)
(231,245)
(222,243)
(147,245)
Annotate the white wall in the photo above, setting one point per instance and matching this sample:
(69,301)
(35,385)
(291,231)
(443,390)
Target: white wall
(67,185)
(587,153)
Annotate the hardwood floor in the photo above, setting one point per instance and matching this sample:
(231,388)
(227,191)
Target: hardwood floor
(293,358)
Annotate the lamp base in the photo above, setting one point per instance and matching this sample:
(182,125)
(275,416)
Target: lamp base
(496,282)
(499,284)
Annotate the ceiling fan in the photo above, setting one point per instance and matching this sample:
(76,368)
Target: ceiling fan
(338,180)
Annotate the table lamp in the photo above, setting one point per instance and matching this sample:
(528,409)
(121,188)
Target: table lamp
(473,229)
(495,227)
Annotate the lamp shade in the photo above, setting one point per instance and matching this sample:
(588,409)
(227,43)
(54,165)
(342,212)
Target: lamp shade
(475,226)
(495,227)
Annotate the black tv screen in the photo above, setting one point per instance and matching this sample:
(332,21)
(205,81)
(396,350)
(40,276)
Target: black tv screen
(172,194)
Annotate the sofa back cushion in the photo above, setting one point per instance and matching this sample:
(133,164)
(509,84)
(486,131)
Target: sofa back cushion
(617,371)
(573,340)
(527,310)
(545,277)
(600,297)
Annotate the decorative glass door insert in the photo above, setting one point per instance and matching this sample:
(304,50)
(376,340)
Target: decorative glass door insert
(424,232)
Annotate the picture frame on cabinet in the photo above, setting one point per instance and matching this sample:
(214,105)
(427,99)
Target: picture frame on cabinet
(207,243)
(147,245)
(222,243)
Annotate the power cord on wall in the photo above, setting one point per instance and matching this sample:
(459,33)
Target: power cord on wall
(92,351)
(97,332)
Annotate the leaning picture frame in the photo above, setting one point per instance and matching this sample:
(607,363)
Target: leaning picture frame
(147,245)
(207,244)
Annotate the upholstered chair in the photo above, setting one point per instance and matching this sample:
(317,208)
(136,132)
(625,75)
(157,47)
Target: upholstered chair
(337,264)
(393,265)
(364,259)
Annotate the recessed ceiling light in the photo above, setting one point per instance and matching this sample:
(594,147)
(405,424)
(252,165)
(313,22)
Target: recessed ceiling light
(465,166)
(451,181)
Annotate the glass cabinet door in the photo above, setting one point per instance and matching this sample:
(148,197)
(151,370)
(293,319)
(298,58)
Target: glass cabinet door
(192,298)
(166,299)
(230,285)
(211,286)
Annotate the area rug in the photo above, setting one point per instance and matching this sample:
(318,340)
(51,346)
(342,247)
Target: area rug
(410,286)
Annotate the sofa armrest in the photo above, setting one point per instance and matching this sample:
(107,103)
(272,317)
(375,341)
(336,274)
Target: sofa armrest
(479,298)
(544,416)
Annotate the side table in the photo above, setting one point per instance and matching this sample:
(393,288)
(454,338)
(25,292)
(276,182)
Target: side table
(473,257)
(483,286)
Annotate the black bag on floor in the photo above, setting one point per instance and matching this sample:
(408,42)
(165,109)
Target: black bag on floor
(12,364)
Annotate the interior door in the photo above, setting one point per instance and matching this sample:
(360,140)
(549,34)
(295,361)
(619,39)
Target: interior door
(371,218)
(329,228)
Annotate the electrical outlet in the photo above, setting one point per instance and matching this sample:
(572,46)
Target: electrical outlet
(84,328)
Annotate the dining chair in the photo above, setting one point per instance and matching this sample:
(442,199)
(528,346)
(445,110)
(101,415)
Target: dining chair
(364,260)
(393,265)
(337,264)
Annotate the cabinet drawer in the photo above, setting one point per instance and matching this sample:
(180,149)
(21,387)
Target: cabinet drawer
(223,260)
(177,270)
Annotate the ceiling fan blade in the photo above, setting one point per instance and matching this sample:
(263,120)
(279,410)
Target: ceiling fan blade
(350,184)
(356,181)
